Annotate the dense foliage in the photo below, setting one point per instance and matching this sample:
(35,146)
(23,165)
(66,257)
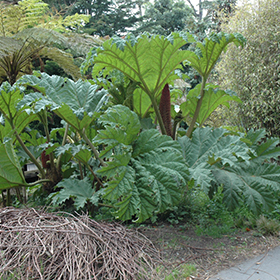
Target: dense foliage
(160,60)
(240,165)
(107,156)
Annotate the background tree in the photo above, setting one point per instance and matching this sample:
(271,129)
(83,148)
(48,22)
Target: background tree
(254,72)
(107,17)
(166,16)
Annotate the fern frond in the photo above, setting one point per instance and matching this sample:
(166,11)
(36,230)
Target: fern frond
(32,13)
(15,18)
(62,24)
(41,36)
(9,45)
(10,19)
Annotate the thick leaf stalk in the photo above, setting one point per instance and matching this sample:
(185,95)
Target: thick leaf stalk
(165,109)
(197,109)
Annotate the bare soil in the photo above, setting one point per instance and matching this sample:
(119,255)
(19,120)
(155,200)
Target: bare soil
(210,255)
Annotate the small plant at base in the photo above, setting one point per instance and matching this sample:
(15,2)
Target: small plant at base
(243,218)
(267,226)
(213,217)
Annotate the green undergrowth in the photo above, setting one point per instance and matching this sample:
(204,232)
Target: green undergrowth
(181,272)
(209,216)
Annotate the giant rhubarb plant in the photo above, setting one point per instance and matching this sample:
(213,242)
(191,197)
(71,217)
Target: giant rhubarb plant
(154,61)
(146,173)
(149,60)
(77,103)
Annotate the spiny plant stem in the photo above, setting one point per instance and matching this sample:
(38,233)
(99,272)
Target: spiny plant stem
(32,158)
(158,115)
(95,152)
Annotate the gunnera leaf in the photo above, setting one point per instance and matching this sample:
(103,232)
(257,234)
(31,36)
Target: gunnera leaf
(148,176)
(208,147)
(80,190)
(146,171)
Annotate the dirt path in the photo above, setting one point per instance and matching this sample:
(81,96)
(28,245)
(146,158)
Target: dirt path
(209,255)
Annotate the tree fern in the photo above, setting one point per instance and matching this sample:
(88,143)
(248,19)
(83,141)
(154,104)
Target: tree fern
(63,59)
(17,52)
(31,29)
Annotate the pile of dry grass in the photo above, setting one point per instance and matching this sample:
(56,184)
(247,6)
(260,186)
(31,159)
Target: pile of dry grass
(39,245)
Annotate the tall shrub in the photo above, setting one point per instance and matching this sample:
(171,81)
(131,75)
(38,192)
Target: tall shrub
(253,72)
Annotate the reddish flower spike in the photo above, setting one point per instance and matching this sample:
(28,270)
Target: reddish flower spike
(165,109)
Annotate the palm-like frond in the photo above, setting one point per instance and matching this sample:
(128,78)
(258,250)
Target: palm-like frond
(17,52)
(82,43)
(9,45)
(41,36)
(18,60)
(21,41)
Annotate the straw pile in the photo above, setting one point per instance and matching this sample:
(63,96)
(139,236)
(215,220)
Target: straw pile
(35,244)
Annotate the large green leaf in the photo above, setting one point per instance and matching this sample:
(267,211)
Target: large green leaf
(78,103)
(217,158)
(124,121)
(150,60)
(146,185)
(213,145)
(253,181)
(80,190)
(139,203)
(165,174)
(210,146)
(10,170)
(210,50)
(142,104)
(9,97)
(121,128)
(264,148)
(16,119)
(42,82)
(150,140)
(80,152)
(146,172)
(213,98)
(122,177)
